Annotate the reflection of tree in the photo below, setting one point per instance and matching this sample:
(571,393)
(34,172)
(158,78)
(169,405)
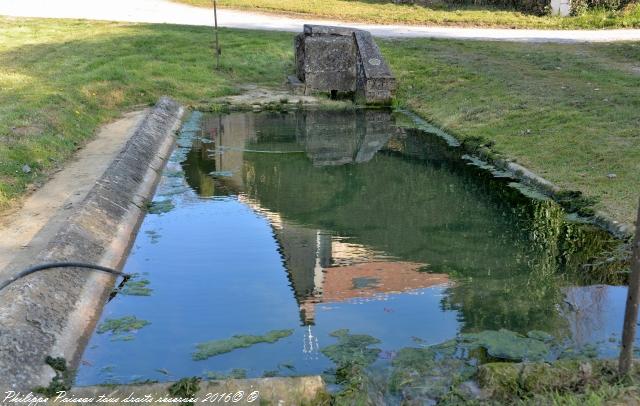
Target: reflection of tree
(583,307)
(416,201)
(512,301)
(553,252)
(197,168)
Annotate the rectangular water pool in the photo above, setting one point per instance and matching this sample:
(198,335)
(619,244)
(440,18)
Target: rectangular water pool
(322,235)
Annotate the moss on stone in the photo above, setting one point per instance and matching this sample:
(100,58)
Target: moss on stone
(185,388)
(513,381)
(430,372)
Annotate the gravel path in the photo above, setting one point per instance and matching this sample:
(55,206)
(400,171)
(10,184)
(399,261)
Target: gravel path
(163,11)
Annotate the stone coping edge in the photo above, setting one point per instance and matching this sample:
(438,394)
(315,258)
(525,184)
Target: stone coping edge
(54,312)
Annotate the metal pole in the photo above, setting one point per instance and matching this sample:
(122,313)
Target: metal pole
(631,312)
(215,19)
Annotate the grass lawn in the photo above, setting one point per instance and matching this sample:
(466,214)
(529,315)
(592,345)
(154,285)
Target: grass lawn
(386,12)
(59,80)
(569,112)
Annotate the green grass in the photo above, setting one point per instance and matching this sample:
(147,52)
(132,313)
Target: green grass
(569,112)
(386,12)
(565,382)
(59,80)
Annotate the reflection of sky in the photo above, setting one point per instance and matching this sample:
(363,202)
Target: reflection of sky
(396,320)
(196,299)
(216,270)
(595,315)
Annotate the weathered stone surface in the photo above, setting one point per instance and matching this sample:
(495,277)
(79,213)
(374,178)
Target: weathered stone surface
(326,62)
(343,59)
(375,83)
(313,30)
(298,48)
(53,312)
(295,85)
(271,391)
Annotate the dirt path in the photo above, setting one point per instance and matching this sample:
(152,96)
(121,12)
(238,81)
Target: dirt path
(27,229)
(163,11)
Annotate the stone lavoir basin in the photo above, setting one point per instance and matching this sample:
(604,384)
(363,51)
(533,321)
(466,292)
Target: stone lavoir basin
(289,243)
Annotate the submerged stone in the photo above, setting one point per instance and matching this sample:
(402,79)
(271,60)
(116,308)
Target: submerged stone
(507,345)
(216,347)
(540,335)
(428,373)
(352,348)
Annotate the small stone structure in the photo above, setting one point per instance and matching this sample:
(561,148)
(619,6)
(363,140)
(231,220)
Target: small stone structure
(341,60)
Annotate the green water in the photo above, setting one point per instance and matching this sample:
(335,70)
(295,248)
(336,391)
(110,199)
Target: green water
(313,222)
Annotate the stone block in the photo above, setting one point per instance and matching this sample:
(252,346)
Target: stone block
(375,84)
(296,87)
(326,63)
(319,30)
(298,47)
(345,60)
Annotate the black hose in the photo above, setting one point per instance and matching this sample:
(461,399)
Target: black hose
(51,265)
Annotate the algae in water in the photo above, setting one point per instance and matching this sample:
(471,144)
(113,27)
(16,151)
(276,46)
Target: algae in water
(120,327)
(236,373)
(136,288)
(350,347)
(161,206)
(216,347)
(508,345)
(429,373)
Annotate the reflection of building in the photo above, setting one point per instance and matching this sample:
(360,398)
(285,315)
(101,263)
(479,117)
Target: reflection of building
(367,280)
(353,136)
(326,269)
(215,163)
(414,201)
(322,268)
(213,166)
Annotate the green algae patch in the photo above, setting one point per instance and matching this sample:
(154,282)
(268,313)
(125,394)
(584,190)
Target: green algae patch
(161,206)
(507,345)
(351,347)
(352,355)
(216,347)
(136,288)
(540,336)
(122,328)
